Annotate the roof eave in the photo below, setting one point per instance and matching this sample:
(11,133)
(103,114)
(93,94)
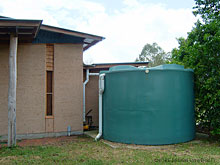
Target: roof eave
(89,40)
(71,32)
(19,27)
(94,38)
(5,22)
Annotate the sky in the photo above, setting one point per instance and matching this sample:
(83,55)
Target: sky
(127,25)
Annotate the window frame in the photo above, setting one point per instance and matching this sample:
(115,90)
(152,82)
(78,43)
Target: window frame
(50,93)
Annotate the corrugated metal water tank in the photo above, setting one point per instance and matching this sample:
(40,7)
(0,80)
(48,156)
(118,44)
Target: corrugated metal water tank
(151,106)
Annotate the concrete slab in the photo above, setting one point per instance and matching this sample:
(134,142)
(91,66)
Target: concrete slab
(92,133)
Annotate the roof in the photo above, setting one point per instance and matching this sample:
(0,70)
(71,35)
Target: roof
(88,39)
(106,66)
(36,32)
(123,63)
(3,17)
(24,29)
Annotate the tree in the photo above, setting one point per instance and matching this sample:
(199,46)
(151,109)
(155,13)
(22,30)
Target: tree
(201,52)
(208,9)
(153,54)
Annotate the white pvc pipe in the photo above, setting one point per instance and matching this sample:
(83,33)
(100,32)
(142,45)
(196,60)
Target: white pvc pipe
(101,90)
(84,91)
(93,74)
(84,94)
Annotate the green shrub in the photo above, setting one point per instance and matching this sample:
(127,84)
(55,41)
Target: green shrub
(201,52)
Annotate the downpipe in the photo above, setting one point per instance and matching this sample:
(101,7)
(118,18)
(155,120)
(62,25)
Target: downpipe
(101,90)
(84,95)
(84,91)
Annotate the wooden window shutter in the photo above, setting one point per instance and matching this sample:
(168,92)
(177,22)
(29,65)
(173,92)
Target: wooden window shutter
(49,57)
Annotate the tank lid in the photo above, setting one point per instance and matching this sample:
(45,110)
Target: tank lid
(170,67)
(123,67)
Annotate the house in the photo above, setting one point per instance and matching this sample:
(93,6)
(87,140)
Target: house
(91,100)
(49,91)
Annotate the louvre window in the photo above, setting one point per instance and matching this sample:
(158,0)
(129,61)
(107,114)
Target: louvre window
(49,78)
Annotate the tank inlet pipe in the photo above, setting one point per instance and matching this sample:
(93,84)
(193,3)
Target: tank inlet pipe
(101,90)
(84,91)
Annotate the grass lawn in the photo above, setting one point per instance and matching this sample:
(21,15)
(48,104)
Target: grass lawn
(84,150)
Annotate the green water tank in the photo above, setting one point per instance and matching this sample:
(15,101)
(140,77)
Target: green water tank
(151,106)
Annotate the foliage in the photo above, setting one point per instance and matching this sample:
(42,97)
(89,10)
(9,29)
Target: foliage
(201,52)
(153,54)
(84,150)
(208,9)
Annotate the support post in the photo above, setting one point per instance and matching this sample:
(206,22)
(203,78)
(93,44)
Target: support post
(12,90)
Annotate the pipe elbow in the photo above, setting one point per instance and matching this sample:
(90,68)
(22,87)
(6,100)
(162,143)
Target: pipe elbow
(101,91)
(98,137)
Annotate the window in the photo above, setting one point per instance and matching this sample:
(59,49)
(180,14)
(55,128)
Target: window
(49,111)
(49,79)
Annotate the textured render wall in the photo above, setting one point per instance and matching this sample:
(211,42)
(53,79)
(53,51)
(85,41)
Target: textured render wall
(30,91)
(92,98)
(68,87)
(4,89)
